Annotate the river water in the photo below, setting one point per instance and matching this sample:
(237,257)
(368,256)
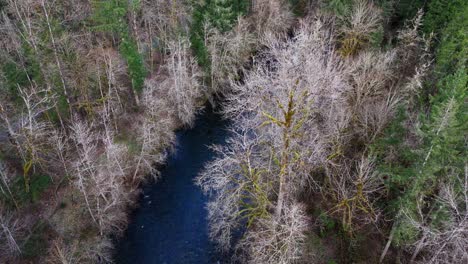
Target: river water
(169,226)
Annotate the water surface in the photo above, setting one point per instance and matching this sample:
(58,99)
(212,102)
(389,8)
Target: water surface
(170,226)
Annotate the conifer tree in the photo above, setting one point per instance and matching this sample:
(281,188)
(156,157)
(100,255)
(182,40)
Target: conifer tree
(218,14)
(441,156)
(221,14)
(110,16)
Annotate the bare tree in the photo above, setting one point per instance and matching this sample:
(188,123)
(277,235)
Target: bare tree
(229,53)
(29,30)
(238,186)
(63,254)
(100,177)
(355,193)
(85,166)
(271,17)
(58,156)
(183,83)
(358,24)
(11,41)
(28,131)
(444,243)
(5,182)
(111,95)
(56,56)
(276,142)
(10,231)
(162,23)
(298,109)
(276,240)
(155,131)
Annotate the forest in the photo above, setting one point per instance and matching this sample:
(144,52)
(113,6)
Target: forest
(347,137)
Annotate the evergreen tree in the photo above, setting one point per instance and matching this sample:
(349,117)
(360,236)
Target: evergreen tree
(220,14)
(441,156)
(110,16)
(415,176)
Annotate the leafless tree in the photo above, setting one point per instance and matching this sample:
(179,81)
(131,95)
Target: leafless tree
(26,130)
(11,41)
(23,11)
(229,53)
(100,177)
(5,182)
(357,25)
(85,166)
(271,17)
(162,22)
(183,82)
(298,109)
(56,55)
(275,240)
(411,42)
(446,243)
(114,67)
(63,254)
(58,155)
(237,184)
(29,29)
(355,193)
(155,131)
(276,142)
(11,231)
(99,251)
(375,94)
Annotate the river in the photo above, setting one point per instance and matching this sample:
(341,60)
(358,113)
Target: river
(170,226)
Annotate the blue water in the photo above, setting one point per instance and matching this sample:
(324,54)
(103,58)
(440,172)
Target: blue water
(170,224)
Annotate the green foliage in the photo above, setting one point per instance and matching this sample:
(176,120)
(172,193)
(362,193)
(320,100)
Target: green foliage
(136,68)
(197,38)
(110,16)
(327,224)
(31,64)
(393,156)
(299,7)
(131,142)
(439,158)
(339,7)
(220,14)
(135,5)
(453,47)
(440,13)
(3,4)
(37,185)
(412,174)
(36,244)
(13,76)
(406,9)
(376,38)
(343,7)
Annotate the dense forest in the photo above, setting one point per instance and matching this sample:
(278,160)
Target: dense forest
(348,136)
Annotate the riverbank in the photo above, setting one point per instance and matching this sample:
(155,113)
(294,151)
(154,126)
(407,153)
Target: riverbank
(170,223)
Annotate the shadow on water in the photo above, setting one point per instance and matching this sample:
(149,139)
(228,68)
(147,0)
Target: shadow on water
(170,224)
